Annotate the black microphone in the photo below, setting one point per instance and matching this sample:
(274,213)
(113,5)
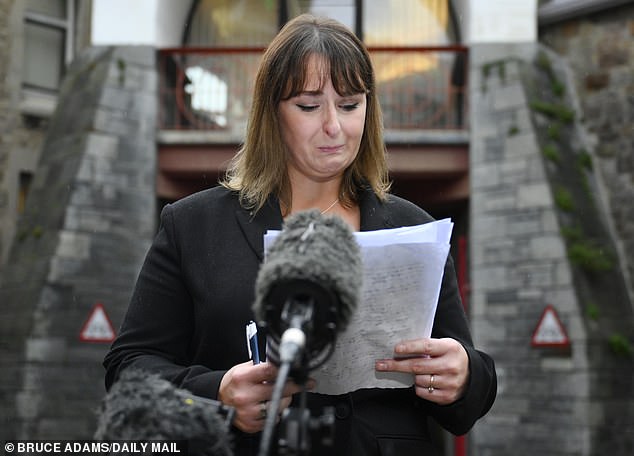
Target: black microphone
(145,407)
(308,288)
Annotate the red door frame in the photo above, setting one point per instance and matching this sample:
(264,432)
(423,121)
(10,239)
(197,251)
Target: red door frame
(460,441)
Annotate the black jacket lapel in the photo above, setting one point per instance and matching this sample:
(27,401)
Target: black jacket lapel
(255,224)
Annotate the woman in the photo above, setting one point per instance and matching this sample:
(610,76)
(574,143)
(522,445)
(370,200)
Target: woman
(314,140)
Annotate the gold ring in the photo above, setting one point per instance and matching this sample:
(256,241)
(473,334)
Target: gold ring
(263,411)
(431,384)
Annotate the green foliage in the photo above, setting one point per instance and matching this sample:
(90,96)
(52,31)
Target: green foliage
(584,160)
(563,199)
(551,152)
(592,311)
(37,232)
(543,62)
(489,66)
(572,233)
(554,131)
(620,345)
(513,130)
(553,110)
(558,88)
(589,257)
(585,183)
(486,69)
(22,235)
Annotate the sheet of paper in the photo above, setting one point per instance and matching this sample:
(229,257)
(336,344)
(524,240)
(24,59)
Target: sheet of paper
(403,270)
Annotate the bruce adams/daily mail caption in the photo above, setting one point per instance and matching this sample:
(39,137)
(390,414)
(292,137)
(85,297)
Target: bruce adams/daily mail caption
(23,447)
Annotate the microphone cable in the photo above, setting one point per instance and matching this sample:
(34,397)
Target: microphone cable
(291,347)
(273,406)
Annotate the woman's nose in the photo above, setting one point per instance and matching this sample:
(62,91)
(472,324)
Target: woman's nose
(332,127)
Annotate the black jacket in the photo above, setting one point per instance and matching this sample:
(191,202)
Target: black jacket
(193,297)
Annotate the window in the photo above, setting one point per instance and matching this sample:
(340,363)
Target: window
(407,23)
(419,88)
(382,22)
(233,23)
(48,32)
(342,10)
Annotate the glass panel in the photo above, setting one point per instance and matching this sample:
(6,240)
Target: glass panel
(43,56)
(233,23)
(207,90)
(406,22)
(420,89)
(203,84)
(53,8)
(417,89)
(341,10)
(207,94)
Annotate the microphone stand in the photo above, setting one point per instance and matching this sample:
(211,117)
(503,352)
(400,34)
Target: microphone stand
(297,422)
(291,345)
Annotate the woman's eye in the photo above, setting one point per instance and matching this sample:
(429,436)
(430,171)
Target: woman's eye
(350,106)
(307,108)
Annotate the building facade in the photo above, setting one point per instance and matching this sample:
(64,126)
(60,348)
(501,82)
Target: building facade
(106,115)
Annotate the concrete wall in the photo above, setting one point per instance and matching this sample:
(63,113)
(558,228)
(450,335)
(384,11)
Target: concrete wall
(20,136)
(499,21)
(24,120)
(8,113)
(90,217)
(600,52)
(551,401)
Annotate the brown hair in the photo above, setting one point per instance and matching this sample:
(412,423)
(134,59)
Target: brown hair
(258,169)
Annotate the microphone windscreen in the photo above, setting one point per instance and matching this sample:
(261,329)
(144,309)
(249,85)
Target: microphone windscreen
(145,407)
(313,254)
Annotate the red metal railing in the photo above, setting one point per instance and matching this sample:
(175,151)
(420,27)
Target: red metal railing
(420,88)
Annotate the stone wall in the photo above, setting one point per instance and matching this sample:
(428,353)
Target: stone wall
(600,51)
(8,115)
(21,134)
(551,401)
(518,264)
(89,219)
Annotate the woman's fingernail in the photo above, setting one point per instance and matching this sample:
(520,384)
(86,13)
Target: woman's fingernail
(380,365)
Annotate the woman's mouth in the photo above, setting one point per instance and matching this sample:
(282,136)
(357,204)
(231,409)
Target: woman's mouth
(333,148)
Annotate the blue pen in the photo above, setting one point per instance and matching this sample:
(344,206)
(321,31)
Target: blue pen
(252,342)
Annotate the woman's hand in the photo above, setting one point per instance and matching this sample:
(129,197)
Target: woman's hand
(248,388)
(440,366)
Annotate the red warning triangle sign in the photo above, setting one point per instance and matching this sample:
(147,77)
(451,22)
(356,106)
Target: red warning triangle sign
(97,327)
(549,331)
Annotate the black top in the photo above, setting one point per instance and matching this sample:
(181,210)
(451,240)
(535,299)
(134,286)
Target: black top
(193,297)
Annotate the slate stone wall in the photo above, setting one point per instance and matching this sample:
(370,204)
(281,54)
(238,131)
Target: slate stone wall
(21,133)
(8,116)
(600,51)
(89,219)
(551,401)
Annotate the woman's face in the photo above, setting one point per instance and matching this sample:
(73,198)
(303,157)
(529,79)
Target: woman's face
(321,129)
